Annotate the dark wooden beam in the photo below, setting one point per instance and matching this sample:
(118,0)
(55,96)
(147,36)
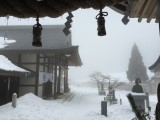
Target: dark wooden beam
(19,59)
(59,81)
(65,84)
(23,85)
(40,63)
(65,75)
(37,75)
(55,78)
(47,57)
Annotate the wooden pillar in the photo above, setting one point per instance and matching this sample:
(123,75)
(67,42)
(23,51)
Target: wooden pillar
(44,69)
(44,61)
(67,86)
(48,65)
(55,78)
(19,59)
(37,74)
(59,81)
(65,82)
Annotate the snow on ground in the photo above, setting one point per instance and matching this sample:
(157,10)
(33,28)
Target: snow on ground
(85,104)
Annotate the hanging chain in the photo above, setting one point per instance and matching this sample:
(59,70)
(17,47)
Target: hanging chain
(5,34)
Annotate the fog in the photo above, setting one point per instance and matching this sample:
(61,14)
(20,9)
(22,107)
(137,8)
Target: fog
(110,53)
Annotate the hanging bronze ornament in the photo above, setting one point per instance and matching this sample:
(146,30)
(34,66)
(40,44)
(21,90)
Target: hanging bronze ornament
(125,19)
(37,30)
(101,22)
(68,24)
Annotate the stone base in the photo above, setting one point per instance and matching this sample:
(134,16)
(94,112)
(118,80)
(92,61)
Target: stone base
(102,92)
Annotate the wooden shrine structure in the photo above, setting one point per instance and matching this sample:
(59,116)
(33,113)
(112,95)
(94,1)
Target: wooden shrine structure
(10,75)
(51,60)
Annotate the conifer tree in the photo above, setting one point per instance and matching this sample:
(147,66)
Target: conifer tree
(136,67)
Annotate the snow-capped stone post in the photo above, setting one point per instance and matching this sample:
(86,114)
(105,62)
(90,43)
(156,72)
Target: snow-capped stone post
(14,100)
(120,101)
(157,111)
(104,108)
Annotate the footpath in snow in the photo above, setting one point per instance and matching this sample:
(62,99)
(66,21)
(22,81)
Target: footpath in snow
(85,104)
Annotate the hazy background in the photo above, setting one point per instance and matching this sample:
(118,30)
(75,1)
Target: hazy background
(110,53)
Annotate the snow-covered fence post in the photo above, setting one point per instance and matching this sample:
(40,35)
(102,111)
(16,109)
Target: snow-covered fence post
(104,108)
(14,100)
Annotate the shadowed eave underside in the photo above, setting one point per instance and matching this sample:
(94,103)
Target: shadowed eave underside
(49,8)
(139,9)
(155,65)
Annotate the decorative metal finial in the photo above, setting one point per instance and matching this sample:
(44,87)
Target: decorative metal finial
(125,19)
(101,22)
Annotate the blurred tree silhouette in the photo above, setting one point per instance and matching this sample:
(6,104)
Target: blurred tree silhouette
(136,67)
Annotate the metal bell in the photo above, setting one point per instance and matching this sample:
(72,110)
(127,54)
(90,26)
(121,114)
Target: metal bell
(101,22)
(37,30)
(101,26)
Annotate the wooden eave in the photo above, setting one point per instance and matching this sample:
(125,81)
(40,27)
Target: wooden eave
(54,8)
(156,65)
(48,8)
(13,73)
(141,9)
(74,59)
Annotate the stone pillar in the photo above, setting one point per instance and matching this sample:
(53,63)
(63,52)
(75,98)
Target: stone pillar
(104,108)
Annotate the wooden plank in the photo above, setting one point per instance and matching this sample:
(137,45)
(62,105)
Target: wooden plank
(151,15)
(144,9)
(136,7)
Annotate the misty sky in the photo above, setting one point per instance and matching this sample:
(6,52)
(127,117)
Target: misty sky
(110,53)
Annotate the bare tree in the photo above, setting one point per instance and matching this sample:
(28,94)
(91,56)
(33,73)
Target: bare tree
(100,79)
(96,76)
(112,82)
(116,84)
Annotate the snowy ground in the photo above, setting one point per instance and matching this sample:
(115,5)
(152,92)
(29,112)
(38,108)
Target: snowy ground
(85,104)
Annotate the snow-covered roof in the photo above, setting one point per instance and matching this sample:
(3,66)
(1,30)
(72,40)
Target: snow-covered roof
(155,65)
(5,63)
